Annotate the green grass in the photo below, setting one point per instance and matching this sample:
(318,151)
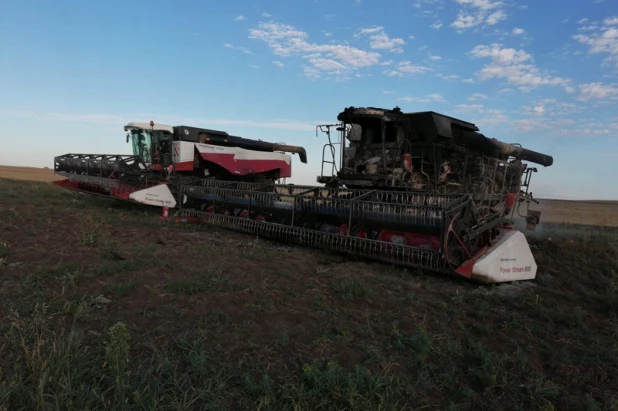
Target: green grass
(97,313)
(352,289)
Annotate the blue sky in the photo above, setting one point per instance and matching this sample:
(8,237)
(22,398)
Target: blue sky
(540,73)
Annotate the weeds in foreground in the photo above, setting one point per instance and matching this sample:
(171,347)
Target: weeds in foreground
(46,363)
(88,231)
(4,253)
(352,289)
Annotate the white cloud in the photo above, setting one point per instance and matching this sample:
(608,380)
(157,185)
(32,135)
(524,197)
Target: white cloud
(326,64)
(448,76)
(492,119)
(602,40)
(479,13)
(540,123)
(550,107)
(551,116)
(372,30)
(430,98)
(538,110)
(428,14)
(591,27)
(435,58)
(516,67)
(588,131)
(437,25)
(311,73)
(487,116)
(466,21)
(563,126)
(238,18)
(597,91)
(466,108)
(481,4)
(381,41)
(266,14)
(495,17)
(333,59)
(239,48)
(278,63)
(477,96)
(430,3)
(518,31)
(547,116)
(407,68)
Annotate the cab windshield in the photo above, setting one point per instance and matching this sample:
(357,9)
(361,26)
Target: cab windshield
(151,145)
(141,142)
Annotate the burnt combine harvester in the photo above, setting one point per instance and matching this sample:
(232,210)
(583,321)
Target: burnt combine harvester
(416,189)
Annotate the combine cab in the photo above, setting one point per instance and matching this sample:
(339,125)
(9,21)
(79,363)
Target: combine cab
(421,190)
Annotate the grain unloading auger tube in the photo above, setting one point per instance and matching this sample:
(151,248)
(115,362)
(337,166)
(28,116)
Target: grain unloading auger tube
(420,230)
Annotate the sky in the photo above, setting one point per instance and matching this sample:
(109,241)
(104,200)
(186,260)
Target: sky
(540,73)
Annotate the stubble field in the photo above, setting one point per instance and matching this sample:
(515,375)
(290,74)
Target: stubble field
(103,306)
(27,173)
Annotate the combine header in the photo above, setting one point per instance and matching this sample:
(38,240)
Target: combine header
(416,189)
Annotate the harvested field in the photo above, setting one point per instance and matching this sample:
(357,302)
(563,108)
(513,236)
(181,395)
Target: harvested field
(599,213)
(28,173)
(105,306)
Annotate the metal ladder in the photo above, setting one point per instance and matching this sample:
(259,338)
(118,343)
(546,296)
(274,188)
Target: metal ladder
(325,128)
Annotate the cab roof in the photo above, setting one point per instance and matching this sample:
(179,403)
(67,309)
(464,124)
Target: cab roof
(138,125)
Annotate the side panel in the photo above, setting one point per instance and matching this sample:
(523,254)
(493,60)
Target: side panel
(183,155)
(510,259)
(160,196)
(239,161)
